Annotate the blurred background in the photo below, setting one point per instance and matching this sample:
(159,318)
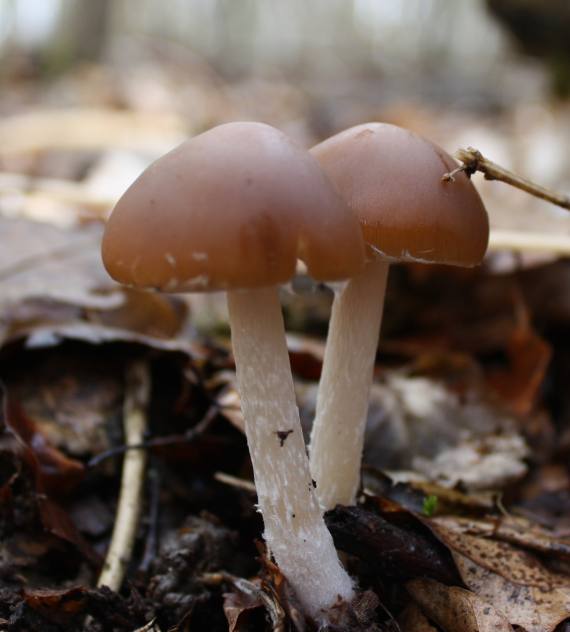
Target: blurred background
(118,86)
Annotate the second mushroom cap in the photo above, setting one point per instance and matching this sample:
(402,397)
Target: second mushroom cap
(392,179)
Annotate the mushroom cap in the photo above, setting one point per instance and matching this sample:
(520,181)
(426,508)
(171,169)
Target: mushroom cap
(231,208)
(392,180)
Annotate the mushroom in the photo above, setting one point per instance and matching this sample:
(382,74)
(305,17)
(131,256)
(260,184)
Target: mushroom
(392,180)
(233,209)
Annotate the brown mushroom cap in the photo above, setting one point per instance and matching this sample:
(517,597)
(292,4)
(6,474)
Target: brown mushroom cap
(231,208)
(391,178)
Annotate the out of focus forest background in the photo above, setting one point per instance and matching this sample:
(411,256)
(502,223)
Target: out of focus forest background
(494,74)
(470,409)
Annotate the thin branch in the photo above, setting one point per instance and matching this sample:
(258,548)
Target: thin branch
(132,479)
(473,160)
(167,440)
(233,481)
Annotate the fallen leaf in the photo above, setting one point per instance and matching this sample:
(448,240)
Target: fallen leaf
(413,620)
(42,609)
(517,531)
(58,606)
(58,472)
(529,356)
(40,464)
(39,260)
(512,580)
(533,608)
(239,604)
(454,608)
(53,286)
(491,462)
(393,550)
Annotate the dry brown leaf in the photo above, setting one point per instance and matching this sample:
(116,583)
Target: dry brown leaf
(53,286)
(529,356)
(39,260)
(238,604)
(499,557)
(512,580)
(413,620)
(518,531)
(454,608)
(530,607)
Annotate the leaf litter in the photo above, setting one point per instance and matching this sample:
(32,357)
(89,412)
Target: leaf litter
(469,407)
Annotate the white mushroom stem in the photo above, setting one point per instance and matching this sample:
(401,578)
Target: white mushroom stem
(342,401)
(295,531)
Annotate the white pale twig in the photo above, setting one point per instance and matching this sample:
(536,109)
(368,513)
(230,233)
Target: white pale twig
(132,478)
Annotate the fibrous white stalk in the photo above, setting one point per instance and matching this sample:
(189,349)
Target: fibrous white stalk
(295,531)
(342,402)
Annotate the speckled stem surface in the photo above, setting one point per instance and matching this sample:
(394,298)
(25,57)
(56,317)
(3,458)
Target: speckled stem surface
(294,528)
(342,402)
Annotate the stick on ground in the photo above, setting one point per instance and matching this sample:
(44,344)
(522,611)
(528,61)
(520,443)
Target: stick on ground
(473,160)
(132,479)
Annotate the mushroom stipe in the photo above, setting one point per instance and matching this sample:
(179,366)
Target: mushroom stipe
(233,209)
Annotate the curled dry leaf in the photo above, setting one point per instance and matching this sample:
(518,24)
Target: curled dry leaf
(247,597)
(32,459)
(58,472)
(244,599)
(454,608)
(414,620)
(512,580)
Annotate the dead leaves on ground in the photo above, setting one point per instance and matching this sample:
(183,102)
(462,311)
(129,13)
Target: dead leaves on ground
(53,287)
(462,569)
(504,572)
(511,579)
(453,608)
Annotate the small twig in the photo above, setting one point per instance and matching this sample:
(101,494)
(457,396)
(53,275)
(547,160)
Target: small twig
(234,481)
(132,478)
(473,160)
(187,437)
(151,626)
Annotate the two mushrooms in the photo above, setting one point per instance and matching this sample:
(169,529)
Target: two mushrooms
(232,210)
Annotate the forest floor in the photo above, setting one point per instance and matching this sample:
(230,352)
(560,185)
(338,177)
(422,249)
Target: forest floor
(464,511)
